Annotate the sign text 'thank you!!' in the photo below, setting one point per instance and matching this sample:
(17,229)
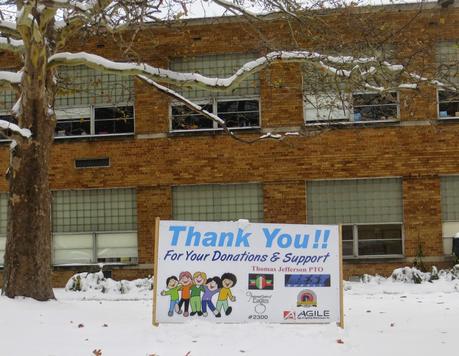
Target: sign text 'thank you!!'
(274,237)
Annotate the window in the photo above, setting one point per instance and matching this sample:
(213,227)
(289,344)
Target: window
(449,188)
(3,221)
(92,103)
(218,202)
(240,108)
(358,107)
(369,209)
(448,70)
(97,225)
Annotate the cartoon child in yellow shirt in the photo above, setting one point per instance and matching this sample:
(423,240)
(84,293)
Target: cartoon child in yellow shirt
(228,280)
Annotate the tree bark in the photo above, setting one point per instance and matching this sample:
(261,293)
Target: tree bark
(28,254)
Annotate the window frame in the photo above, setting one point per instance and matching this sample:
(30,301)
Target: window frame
(351,113)
(438,107)
(355,242)
(92,121)
(94,248)
(214,102)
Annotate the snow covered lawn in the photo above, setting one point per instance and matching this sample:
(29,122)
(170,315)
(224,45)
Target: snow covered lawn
(381,319)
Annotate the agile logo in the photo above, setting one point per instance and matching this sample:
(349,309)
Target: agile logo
(289,315)
(314,314)
(307,298)
(261,281)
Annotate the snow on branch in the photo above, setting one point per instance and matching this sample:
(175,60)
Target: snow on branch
(10,44)
(196,79)
(9,28)
(11,78)
(12,130)
(235,9)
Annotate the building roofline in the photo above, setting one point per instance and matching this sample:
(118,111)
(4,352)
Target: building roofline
(424,5)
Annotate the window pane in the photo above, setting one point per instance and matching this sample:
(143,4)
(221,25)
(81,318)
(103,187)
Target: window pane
(373,106)
(117,247)
(355,201)
(380,239)
(448,104)
(73,248)
(114,120)
(348,248)
(185,119)
(214,202)
(380,232)
(239,113)
(348,232)
(75,127)
(326,106)
(380,247)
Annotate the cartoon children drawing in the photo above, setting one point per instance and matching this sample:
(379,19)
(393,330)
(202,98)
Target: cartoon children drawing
(228,280)
(185,280)
(212,287)
(199,278)
(173,292)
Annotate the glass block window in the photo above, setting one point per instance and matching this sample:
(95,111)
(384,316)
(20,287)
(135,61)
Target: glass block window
(448,61)
(7,100)
(97,225)
(94,210)
(219,66)
(83,86)
(449,198)
(218,202)
(370,210)
(449,189)
(3,221)
(448,71)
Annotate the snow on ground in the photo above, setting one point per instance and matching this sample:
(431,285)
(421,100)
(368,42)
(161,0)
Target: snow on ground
(382,317)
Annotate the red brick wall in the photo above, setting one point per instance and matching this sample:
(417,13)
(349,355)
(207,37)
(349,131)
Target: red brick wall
(154,160)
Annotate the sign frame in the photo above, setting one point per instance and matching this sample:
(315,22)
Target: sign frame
(156,238)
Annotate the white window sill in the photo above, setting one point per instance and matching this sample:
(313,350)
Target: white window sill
(93,136)
(219,129)
(445,118)
(372,257)
(348,122)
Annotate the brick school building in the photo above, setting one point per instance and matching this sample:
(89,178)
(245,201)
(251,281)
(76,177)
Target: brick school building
(385,166)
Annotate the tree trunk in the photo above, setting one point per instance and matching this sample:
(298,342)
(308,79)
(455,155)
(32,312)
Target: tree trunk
(28,244)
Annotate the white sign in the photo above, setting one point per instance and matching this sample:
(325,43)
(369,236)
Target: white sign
(243,272)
